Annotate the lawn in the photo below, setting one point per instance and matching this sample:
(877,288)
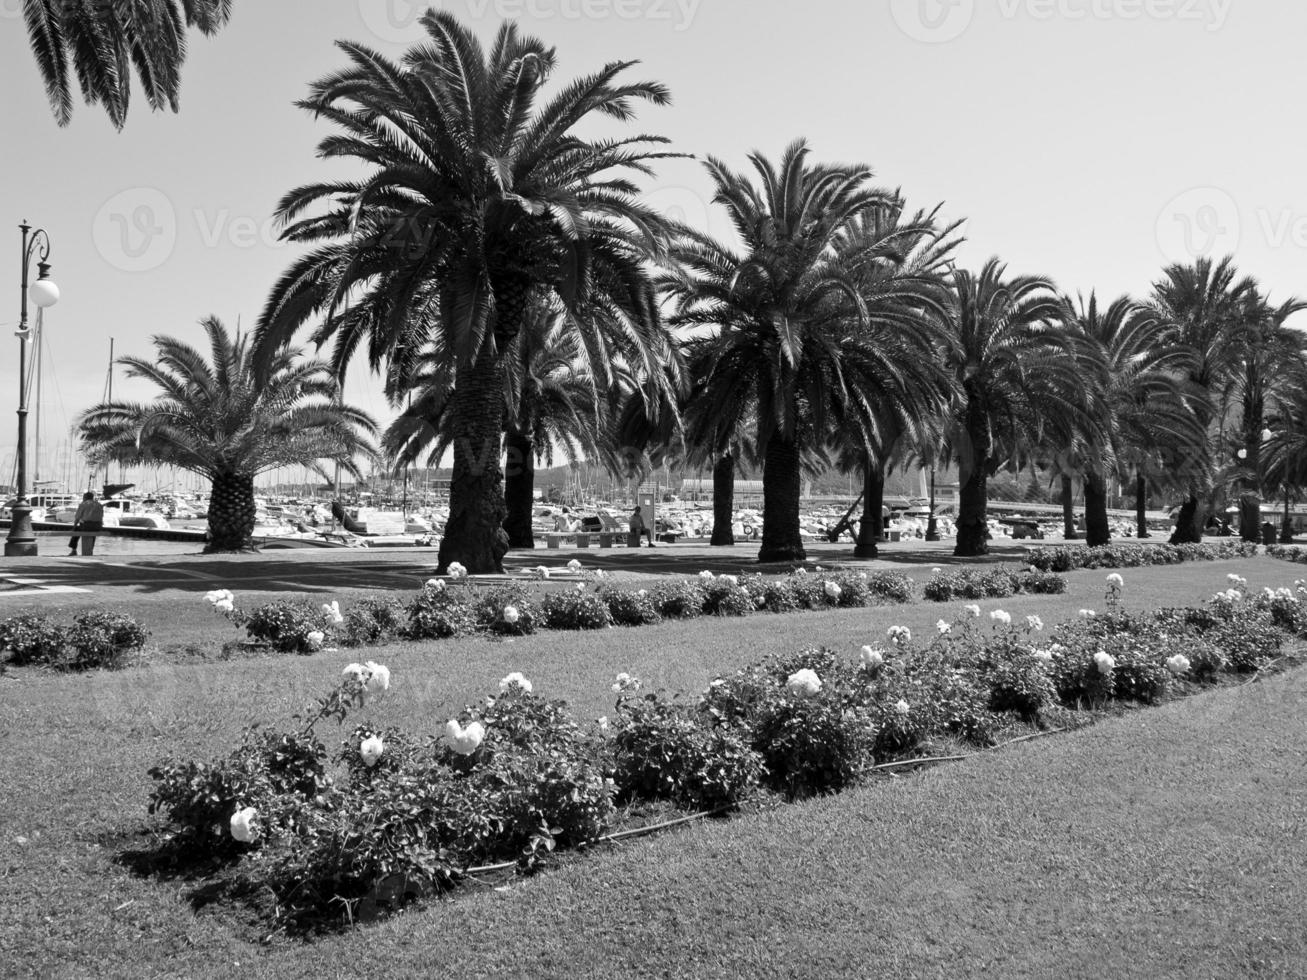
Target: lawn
(1166,842)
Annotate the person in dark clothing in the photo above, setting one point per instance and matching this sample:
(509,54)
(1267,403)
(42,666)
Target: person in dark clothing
(89,518)
(639,529)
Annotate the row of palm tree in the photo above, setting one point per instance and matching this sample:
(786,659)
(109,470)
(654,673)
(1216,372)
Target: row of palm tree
(506,276)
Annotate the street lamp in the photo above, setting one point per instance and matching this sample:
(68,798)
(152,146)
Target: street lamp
(44,294)
(932,531)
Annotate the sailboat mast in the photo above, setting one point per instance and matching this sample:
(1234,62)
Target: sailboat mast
(108,397)
(36,428)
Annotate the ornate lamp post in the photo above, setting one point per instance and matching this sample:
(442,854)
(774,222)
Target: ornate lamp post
(44,293)
(932,531)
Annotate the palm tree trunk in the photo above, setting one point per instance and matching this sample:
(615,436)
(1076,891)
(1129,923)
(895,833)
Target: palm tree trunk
(723,500)
(872,526)
(781,486)
(1069,531)
(973,471)
(1141,505)
(1286,527)
(519,488)
(1097,530)
(231,513)
(1250,517)
(474,534)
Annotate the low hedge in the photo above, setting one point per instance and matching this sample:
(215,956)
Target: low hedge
(1136,555)
(93,639)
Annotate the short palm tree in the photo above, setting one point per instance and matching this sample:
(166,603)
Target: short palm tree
(105,41)
(779,311)
(1016,375)
(474,199)
(214,418)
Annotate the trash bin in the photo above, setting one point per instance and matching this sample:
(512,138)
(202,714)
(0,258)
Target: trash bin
(1268,533)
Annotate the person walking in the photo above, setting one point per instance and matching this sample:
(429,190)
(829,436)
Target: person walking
(90,520)
(639,528)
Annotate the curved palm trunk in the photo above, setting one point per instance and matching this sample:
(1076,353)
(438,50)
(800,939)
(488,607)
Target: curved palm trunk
(474,535)
(519,488)
(1097,530)
(1286,526)
(723,500)
(231,513)
(1069,531)
(872,527)
(1250,517)
(973,498)
(781,486)
(1186,523)
(1141,505)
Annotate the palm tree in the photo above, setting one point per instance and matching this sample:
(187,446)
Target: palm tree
(1016,375)
(474,201)
(780,312)
(105,41)
(1285,453)
(215,418)
(1141,408)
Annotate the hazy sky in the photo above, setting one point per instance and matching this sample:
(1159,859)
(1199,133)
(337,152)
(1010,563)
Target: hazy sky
(1092,141)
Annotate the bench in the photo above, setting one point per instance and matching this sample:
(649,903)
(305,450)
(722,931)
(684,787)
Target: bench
(889,535)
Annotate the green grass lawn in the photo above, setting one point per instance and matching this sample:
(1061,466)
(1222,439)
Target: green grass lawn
(1166,842)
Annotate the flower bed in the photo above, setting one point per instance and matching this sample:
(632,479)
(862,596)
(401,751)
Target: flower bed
(1298,555)
(391,816)
(93,639)
(1136,555)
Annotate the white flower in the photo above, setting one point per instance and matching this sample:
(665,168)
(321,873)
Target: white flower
(1001,616)
(760,601)
(902,707)
(1177,664)
(435,583)
(511,615)
(243,827)
(603,723)
(832,590)
(705,575)
(579,587)
(872,658)
(1035,623)
(936,570)
(314,639)
(371,748)
(219,594)
(625,682)
(1105,661)
(943,627)
(1116,581)
(456,570)
(516,678)
(600,573)
(378,679)
(972,610)
(355,672)
(730,580)
(800,571)
(332,609)
(542,572)
(1087,614)
(899,635)
(1234,579)
(462,740)
(804,683)
(224,605)
(574,565)
(1044,656)
(643,592)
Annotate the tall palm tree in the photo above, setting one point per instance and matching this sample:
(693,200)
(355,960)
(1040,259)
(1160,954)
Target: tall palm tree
(1142,407)
(215,418)
(1285,453)
(1016,376)
(105,42)
(779,310)
(474,200)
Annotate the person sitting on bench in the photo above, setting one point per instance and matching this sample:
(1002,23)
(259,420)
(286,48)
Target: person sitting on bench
(639,529)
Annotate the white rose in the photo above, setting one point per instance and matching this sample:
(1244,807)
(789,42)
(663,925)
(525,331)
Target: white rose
(1087,614)
(972,610)
(1035,623)
(943,627)
(706,575)
(371,748)
(1178,664)
(1105,661)
(574,565)
(224,605)
(872,658)
(243,826)
(1044,656)
(603,723)
(332,609)
(456,570)
(832,590)
(730,580)
(462,740)
(898,635)
(355,672)
(516,678)
(314,639)
(1116,581)
(804,682)
(936,570)
(1001,616)
(435,583)
(378,677)
(511,615)
(902,707)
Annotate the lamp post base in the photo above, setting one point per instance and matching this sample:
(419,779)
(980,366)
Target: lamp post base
(932,531)
(21,542)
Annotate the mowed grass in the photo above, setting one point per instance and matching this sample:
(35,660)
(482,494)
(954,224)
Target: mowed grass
(1168,842)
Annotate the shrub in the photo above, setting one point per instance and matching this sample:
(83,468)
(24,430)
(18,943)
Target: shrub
(287,624)
(32,640)
(1139,675)
(572,610)
(372,621)
(722,597)
(440,613)
(491,609)
(811,745)
(98,639)
(1021,684)
(677,599)
(1249,644)
(630,608)
(664,751)
(1077,676)
(772,595)
(1039,583)
(888,586)
(1135,555)
(969,583)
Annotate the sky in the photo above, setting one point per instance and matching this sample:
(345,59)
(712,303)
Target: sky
(1091,141)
